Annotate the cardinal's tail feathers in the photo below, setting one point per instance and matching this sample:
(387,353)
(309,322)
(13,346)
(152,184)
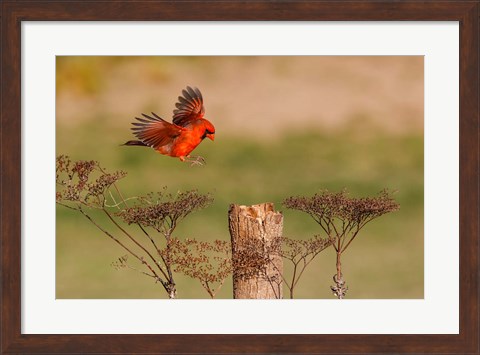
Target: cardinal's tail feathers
(135,143)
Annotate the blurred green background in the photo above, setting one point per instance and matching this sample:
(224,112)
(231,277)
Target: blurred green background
(284,126)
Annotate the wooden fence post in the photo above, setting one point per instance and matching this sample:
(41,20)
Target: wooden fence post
(255,232)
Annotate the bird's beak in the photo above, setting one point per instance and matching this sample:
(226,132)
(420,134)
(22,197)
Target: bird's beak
(211,136)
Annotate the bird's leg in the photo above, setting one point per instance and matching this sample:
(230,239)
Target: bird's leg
(195,160)
(201,160)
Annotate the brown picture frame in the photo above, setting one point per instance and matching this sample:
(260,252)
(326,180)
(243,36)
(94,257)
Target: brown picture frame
(14,12)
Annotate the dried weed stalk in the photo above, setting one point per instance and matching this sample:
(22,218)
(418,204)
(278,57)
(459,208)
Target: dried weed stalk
(209,263)
(84,186)
(341,218)
(300,253)
(254,257)
(251,258)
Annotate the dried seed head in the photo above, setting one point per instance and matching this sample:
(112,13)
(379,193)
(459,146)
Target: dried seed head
(162,211)
(329,205)
(83,181)
(208,262)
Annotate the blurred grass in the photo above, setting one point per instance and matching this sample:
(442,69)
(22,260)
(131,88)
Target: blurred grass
(385,261)
(365,134)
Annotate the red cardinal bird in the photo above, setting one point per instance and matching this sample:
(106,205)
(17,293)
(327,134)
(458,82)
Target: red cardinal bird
(179,138)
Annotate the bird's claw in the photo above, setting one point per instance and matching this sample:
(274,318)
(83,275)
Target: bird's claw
(196,160)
